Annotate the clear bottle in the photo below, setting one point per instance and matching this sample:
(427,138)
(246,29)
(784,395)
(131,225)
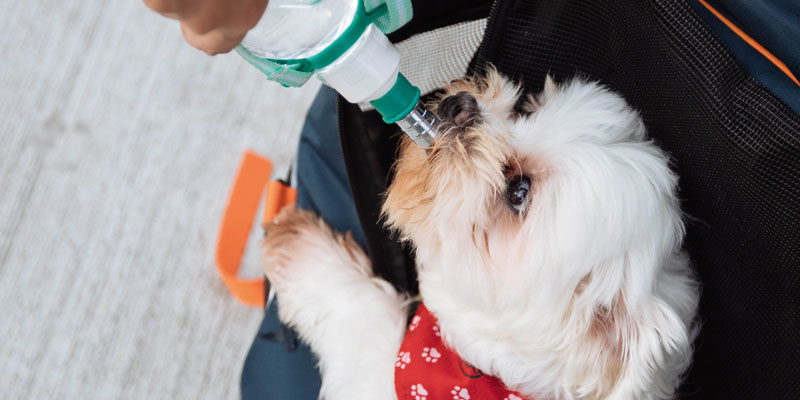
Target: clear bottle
(337,40)
(297,29)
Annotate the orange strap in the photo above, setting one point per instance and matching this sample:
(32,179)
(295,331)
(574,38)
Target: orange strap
(245,196)
(279,195)
(752,42)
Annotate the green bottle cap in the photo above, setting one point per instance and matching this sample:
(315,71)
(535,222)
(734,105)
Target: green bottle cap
(398,101)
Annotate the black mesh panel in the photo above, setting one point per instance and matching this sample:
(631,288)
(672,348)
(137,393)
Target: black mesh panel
(735,146)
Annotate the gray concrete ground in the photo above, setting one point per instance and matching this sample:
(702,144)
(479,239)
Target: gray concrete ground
(118,145)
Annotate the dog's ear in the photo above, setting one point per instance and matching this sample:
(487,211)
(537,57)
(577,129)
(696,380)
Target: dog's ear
(655,350)
(638,325)
(646,336)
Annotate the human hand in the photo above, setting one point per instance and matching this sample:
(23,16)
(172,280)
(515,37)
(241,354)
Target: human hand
(213,26)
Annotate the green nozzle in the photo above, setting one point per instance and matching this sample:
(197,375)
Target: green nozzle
(398,101)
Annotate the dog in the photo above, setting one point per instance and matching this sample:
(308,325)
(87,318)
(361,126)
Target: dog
(548,241)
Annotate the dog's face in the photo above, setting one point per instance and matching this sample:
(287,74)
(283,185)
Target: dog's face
(551,215)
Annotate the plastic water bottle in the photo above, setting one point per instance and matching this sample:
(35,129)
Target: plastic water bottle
(338,41)
(296,29)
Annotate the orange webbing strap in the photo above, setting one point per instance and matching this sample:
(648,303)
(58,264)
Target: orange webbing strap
(245,196)
(278,195)
(752,42)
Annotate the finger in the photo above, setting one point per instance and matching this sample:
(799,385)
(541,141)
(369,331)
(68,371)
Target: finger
(212,42)
(234,18)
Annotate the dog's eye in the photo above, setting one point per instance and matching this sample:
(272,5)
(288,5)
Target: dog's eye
(517,191)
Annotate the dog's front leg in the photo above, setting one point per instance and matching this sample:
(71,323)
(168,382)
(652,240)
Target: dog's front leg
(351,319)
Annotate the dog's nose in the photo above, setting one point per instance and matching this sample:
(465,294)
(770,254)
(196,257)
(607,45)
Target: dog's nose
(459,110)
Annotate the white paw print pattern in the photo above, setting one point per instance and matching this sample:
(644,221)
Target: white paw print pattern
(419,393)
(414,322)
(403,359)
(460,393)
(431,355)
(513,397)
(436,331)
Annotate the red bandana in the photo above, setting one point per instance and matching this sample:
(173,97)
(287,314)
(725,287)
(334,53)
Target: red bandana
(427,370)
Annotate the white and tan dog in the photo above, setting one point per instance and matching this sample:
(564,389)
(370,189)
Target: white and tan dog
(548,244)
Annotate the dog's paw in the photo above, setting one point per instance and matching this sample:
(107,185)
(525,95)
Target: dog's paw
(286,239)
(299,249)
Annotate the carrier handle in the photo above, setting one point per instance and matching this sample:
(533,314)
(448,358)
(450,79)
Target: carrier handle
(237,220)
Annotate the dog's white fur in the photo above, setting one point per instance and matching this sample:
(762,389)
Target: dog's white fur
(586,294)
